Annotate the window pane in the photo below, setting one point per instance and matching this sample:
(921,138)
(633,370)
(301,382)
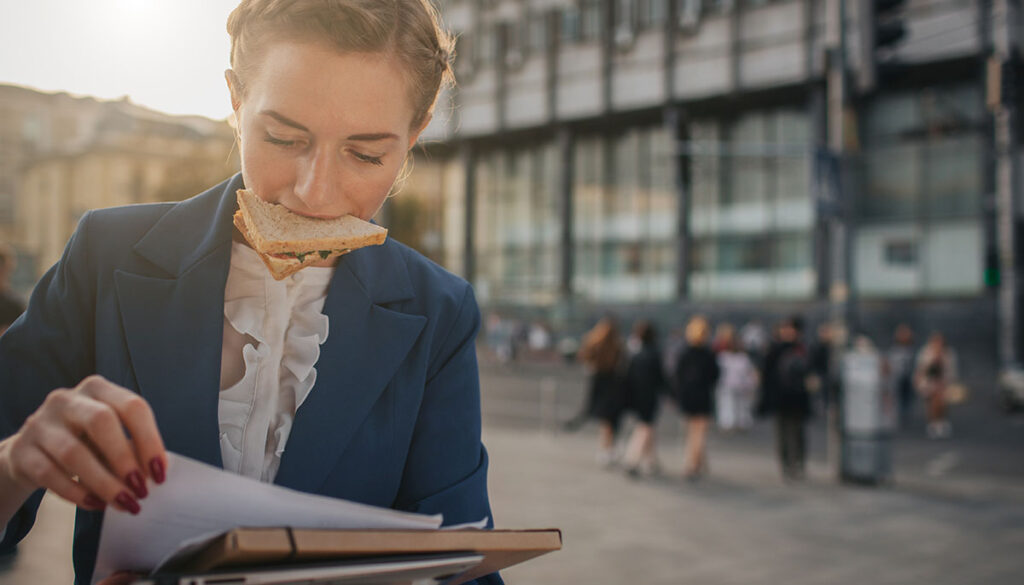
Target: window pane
(953,178)
(891,117)
(793,252)
(892,178)
(750,214)
(516,231)
(748,172)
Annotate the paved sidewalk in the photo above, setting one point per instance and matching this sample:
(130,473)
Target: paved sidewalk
(742,525)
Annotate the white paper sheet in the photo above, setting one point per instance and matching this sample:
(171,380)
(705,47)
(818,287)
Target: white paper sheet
(198,499)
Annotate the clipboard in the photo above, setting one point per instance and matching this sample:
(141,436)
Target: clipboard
(250,547)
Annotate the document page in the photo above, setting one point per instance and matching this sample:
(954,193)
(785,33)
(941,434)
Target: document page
(198,500)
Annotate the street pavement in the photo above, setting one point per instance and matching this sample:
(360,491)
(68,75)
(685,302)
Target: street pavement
(953,512)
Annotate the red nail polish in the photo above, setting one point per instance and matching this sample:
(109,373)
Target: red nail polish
(95,503)
(156,467)
(138,485)
(127,502)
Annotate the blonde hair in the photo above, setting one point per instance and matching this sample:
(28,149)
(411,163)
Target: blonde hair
(408,30)
(697,331)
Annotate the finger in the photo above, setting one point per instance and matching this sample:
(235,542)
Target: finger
(74,457)
(33,465)
(137,417)
(99,428)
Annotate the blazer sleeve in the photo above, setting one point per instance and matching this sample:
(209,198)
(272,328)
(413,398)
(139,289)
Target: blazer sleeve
(48,347)
(446,469)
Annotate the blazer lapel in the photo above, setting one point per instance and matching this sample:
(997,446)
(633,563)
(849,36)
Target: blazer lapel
(173,322)
(366,343)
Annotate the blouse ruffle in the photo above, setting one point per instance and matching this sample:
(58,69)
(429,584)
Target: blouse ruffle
(285,319)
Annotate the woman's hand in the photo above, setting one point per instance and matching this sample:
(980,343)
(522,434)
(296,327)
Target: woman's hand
(76,445)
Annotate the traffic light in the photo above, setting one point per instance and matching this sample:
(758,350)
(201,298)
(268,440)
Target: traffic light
(992,277)
(889,24)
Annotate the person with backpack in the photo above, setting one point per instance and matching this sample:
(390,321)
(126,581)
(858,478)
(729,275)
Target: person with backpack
(785,395)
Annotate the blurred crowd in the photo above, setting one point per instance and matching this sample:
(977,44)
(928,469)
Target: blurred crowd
(730,376)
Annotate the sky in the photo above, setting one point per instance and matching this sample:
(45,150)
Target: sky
(169,55)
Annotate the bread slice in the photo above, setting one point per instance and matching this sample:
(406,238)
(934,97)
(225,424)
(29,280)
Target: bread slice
(273,229)
(279,267)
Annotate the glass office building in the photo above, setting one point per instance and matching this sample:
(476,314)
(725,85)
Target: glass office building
(664,157)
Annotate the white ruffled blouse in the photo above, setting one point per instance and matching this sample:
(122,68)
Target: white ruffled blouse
(272,335)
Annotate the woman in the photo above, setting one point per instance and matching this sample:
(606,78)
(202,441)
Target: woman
(601,353)
(695,377)
(160,321)
(734,394)
(934,372)
(642,387)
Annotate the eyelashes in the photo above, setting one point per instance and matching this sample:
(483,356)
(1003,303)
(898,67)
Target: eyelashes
(278,141)
(373,160)
(366,158)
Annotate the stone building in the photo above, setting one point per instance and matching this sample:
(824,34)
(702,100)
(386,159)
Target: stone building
(62,155)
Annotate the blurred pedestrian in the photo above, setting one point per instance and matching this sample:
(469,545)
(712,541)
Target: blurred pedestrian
(754,340)
(602,354)
(675,343)
(784,394)
(695,378)
(934,372)
(11,306)
(820,382)
(900,365)
(737,385)
(642,386)
(723,333)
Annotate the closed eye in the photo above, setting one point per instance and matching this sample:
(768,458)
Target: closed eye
(278,141)
(373,160)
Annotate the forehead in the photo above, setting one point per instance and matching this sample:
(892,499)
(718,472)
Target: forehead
(324,89)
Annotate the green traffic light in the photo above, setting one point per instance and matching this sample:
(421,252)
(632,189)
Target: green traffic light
(992,279)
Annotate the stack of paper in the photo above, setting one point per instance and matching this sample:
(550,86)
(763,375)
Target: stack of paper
(200,501)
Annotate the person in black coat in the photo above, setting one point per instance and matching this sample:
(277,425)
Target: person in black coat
(784,394)
(695,378)
(642,387)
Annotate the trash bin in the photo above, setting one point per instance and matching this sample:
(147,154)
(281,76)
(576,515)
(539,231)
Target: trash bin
(865,428)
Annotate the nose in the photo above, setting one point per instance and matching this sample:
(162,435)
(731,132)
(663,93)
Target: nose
(316,184)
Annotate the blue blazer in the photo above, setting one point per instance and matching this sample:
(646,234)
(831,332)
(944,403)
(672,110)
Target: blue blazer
(138,297)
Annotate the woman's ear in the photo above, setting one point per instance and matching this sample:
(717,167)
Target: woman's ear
(235,87)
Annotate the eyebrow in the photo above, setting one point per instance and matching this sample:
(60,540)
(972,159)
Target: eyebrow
(369,137)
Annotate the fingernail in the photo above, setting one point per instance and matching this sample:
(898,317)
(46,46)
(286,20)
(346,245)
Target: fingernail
(127,502)
(95,503)
(138,485)
(156,467)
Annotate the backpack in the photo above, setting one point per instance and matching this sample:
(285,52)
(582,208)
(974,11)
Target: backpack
(793,369)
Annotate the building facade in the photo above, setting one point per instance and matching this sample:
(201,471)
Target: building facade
(65,155)
(666,157)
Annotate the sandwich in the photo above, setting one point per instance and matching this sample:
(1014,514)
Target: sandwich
(288,242)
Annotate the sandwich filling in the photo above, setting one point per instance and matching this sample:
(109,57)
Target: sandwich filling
(301,256)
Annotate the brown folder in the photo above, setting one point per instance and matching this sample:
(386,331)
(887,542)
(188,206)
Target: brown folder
(257,546)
